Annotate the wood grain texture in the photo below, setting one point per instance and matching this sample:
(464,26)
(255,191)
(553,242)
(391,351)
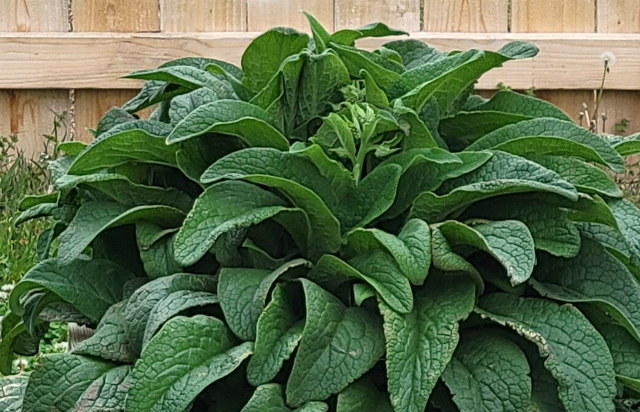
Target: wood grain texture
(95,61)
(618,16)
(90,105)
(265,14)
(466,15)
(29,114)
(399,14)
(115,15)
(539,16)
(203,15)
(33,15)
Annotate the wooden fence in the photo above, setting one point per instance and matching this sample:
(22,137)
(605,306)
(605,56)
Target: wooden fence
(66,55)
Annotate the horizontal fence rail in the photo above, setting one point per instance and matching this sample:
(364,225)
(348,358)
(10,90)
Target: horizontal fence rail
(58,60)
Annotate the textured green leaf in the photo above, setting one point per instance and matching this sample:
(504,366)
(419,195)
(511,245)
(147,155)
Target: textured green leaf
(11,392)
(421,343)
(95,217)
(576,355)
(107,393)
(36,211)
(157,256)
(508,241)
(374,94)
(263,57)
(113,117)
(446,79)
(504,108)
(234,117)
(550,227)
(320,80)
(184,104)
(627,215)
(91,286)
(278,333)
(502,174)
(445,259)
(189,77)
(223,207)
(119,148)
(172,305)
(338,345)
(551,136)
(270,398)
(60,381)
(186,356)
(414,53)
(488,373)
(376,268)
(384,71)
(411,249)
(625,351)
(348,36)
(628,145)
(362,395)
(594,275)
(110,341)
(147,298)
(607,236)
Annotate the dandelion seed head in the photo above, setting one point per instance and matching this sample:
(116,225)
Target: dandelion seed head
(608,58)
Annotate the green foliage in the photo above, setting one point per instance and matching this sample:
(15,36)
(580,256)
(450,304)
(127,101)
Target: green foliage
(334,229)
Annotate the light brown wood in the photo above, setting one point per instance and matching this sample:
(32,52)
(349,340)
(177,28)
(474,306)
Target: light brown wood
(265,14)
(115,15)
(203,15)
(29,114)
(74,60)
(398,14)
(90,105)
(539,16)
(33,15)
(466,15)
(619,16)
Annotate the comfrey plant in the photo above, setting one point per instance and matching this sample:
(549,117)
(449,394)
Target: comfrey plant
(333,229)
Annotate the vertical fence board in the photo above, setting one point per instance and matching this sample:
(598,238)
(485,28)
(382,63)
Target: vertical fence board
(115,15)
(265,14)
(619,16)
(29,114)
(466,15)
(203,15)
(112,16)
(538,16)
(33,15)
(400,14)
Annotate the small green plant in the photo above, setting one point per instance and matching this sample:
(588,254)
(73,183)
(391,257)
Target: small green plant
(333,229)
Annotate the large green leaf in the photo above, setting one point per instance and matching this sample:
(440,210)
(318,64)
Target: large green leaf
(445,259)
(95,217)
(384,71)
(224,207)
(362,395)
(488,373)
(91,286)
(107,393)
(421,343)
(411,249)
(627,145)
(278,333)
(627,216)
(551,136)
(414,53)
(377,268)
(110,341)
(596,276)
(149,298)
(348,36)
(263,57)
(502,174)
(184,104)
(576,355)
(134,145)
(550,227)
(12,391)
(505,107)
(270,398)
(508,241)
(625,351)
(447,78)
(234,117)
(186,356)
(189,77)
(60,382)
(339,344)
